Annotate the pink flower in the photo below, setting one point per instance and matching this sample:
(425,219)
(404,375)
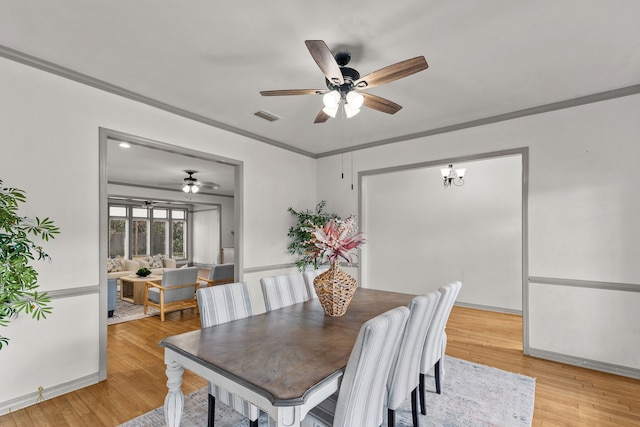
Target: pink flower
(335,240)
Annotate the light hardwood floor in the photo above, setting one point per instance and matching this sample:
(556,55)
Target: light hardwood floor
(565,395)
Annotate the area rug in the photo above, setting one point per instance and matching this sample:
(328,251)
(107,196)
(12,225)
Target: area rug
(126,311)
(472,395)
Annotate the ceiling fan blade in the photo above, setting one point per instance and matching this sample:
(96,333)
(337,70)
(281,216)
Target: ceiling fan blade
(210,185)
(380,104)
(293,92)
(393,72)
(325,60)
(321,117)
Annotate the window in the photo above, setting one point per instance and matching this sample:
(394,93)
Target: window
(160,233)
(118,231)
(139,232)
(178,235)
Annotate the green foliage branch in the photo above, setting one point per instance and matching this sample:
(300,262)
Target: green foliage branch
(18,279)
(300,233)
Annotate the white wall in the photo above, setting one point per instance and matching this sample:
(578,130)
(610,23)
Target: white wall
(49,138)
(582,212)
(422,235)
(206,236)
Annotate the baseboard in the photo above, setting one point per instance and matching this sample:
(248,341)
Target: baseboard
(489,308)
(18,403)
(586,363)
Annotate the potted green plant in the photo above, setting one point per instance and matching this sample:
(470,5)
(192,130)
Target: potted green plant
(18,279)
(300,233)
(143,272)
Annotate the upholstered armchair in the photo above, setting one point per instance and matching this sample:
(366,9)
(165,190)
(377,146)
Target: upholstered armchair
(176,292)
(220,274)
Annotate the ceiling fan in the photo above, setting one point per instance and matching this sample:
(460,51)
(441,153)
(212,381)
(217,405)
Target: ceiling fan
(344,84)
(149,203)
(190,184)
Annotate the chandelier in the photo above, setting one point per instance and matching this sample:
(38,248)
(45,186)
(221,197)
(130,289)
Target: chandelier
(452,176)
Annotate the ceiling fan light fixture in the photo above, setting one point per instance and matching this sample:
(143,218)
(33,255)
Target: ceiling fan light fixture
(331,100)
(355,100)
(331,111)
(190,188)
(350,111)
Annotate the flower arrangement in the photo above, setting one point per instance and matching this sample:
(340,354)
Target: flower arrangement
(300,233)
(335,240)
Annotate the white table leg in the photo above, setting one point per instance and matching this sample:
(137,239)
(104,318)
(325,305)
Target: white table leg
(289,416)
(174,402)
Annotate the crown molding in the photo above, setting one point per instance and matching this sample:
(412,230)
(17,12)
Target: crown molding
(540,109)
(50,67)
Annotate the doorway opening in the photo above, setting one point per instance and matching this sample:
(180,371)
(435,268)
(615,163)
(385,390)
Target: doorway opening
(147,176)
(475,233)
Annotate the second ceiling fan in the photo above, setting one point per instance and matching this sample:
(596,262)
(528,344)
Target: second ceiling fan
(344,84)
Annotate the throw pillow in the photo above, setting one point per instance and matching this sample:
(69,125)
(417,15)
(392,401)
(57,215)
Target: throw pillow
(143,263)
(114,264)
(155,261)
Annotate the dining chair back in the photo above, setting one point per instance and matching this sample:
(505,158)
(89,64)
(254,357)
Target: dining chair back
(176,292)
(404,374)
(359,402)
(308,276)
(284,290)
(436,341)
(223,304)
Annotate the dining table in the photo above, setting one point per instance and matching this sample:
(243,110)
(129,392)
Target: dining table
(284,361)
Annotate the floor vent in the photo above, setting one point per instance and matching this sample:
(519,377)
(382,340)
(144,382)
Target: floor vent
(267,116)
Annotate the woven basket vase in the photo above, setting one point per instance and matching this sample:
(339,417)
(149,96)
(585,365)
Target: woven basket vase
(335,288)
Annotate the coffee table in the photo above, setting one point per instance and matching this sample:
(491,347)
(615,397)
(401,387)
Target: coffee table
(132,287)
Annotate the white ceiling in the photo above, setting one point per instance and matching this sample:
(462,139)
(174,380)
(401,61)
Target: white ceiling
(155,168)
(209,59)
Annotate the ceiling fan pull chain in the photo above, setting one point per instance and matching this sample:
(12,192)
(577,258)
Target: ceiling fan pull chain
(342,139)
(352,171)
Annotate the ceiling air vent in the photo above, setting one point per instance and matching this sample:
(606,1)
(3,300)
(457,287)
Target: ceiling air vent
(266,115)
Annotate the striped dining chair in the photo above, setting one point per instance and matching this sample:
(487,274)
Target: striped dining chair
(359,402)
(436,340)
(222,304)
(308,276)
(281,291)
(403,377)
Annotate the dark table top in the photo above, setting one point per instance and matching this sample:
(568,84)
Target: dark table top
(284,354)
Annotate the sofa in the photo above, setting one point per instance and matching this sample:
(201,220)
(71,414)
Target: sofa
(112,295)
(118,267)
